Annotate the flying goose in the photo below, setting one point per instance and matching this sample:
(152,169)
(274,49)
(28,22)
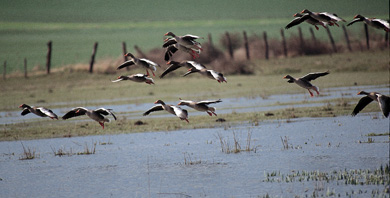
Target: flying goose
(299,18)
(174,65)
(97,114)
(39,111)
(136,78)
(324,17)
(201,105)
(304,81)
(147,64)
(177,111)
(187,40)
(206,72)
(383,101)
(376,23)
(172,46)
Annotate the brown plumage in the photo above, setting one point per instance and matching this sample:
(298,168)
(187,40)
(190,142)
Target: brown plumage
(39,111)
(383,101)
(147,64)
(136,78)
(304,81)
(97,114)
(376,23)
(201,105)
(177,111)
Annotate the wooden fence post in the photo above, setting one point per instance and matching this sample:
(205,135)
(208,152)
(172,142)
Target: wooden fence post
(25,68)
(313,37)
(139,51)
(266,45)
(331,40)
(367,36)
(48,57)
(246,46)
(230,47)
(347,38)
(210,40)
(4,69)
(283,42)
(125,52)
(302,42)
(93,57)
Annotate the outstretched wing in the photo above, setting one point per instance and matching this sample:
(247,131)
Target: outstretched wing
(154,108)
(197,66)
(171,68)
(152,65)
(25,111)
(191,37)
(209,101)
(363,102)
(126,64)
(297,20)
(181,113)
(47,112)
(384,104)
(78,111)
(313,76)
(354,21)
(117,80)
(190,72)
(169,42)
(169,52)
(105,112)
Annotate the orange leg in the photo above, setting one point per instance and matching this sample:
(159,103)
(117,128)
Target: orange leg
(187,120)
(209,113)
(316,27)
(311,94)
(153,73)
(214,113)
(101,124)
(147,72)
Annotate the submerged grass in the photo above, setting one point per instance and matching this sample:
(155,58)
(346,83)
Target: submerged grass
(45,128)
(28,153)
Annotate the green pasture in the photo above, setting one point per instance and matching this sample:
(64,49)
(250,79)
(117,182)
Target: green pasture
(74,26)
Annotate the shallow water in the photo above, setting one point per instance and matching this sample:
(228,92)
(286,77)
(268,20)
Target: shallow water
(229,105)
(153,164)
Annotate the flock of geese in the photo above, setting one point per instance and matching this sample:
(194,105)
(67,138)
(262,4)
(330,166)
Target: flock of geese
(188,44)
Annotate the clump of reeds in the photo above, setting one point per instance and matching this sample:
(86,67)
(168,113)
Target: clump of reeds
(188,160)
(284,140)
(236,148)
(62,152)
(87,150)
(28,153)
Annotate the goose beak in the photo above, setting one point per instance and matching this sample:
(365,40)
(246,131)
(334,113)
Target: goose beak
(169,62)
(285,77)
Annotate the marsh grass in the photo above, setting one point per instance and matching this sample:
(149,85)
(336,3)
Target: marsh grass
(28,153)
(227,148)
(53,129)
(188,160)
(62,152)
(88,150)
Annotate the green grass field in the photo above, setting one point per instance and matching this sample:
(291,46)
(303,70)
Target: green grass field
(73,26)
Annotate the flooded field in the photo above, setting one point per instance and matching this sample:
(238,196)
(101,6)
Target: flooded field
(229,105)
(303,157)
